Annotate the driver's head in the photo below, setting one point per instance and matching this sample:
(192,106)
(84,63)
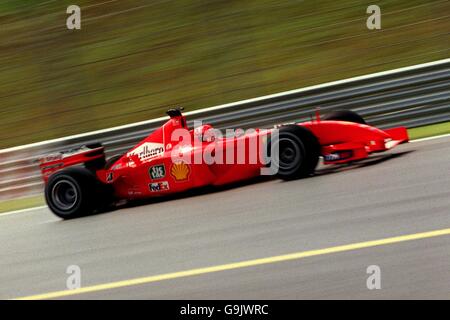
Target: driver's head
(204,133)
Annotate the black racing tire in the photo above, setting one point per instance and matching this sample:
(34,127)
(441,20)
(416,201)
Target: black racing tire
(344,115)
(75,192)
(112,160)
(298,154)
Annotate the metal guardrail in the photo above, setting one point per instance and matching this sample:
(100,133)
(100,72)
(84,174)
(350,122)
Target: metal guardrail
(412,96)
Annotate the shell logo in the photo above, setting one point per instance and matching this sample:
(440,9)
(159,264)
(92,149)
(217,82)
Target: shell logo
(180,171)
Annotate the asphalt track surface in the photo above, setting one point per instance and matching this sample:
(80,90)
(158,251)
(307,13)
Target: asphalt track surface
(405,191)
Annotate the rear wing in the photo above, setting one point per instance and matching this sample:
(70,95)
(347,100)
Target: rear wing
(92,156)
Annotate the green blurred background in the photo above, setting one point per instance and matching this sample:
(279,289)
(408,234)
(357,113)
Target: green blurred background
(133,59)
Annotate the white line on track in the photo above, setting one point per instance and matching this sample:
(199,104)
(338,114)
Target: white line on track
(43,207)
(21,211)
(431,138)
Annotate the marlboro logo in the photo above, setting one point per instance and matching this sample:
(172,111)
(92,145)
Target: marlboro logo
(148,151)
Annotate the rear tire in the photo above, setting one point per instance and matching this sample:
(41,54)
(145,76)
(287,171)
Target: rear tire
(298,154)
(344,115)
(75,192)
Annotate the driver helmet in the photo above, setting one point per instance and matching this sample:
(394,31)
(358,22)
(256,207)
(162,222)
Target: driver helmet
(204,133)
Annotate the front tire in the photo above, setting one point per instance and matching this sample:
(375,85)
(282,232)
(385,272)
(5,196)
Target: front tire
(298,152)
(74,192)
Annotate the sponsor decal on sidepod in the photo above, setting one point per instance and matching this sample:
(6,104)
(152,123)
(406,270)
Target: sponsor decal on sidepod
(180,171)
(159,186)
(157,172)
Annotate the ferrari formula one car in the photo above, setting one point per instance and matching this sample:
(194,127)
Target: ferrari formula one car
(173,159)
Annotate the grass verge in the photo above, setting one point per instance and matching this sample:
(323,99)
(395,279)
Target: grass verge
(132,60)
(429,131)
(22,203)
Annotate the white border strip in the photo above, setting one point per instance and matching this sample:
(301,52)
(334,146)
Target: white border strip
(233,104)
(21,211)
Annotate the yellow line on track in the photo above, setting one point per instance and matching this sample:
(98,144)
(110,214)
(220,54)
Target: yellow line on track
(238,265)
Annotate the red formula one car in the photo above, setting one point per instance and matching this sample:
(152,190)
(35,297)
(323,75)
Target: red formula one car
(173,159)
